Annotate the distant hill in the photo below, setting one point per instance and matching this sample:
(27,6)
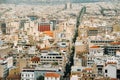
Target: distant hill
(45,1)
(48,1)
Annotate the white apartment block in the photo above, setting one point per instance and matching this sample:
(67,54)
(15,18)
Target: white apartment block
(110,70)
(51,57)
(27,75)
(96,51)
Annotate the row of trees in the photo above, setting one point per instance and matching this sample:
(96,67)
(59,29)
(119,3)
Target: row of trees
(70,64)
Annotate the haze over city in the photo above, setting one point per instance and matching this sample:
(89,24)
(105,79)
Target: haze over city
(50,1)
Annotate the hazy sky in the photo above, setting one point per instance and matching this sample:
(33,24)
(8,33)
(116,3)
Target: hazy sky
(45,0)
(48,1)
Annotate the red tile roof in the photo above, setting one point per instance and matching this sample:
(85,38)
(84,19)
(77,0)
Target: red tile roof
(50,33)
(52,74)
(115,43)
(2,59)
(94,47)
(113,79)
(111,63)
(35,59)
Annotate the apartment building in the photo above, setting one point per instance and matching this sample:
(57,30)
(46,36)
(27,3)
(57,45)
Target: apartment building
(27,74)
(35,61)
(3,69)
(92,31)
(110,70)
(96,51)
(99,42)
(52,57)
(112,48)
(44,26)
(52,76)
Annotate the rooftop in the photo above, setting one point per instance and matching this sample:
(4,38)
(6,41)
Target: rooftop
(52,74)
(94,47)
(35,59)
(115,43)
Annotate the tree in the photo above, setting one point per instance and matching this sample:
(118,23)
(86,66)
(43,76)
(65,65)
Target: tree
(40,77)
(55,63)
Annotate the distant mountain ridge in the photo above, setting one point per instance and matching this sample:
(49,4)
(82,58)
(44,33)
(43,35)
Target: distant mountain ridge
(49,1)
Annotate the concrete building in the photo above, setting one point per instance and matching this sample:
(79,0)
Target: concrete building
(35,61)
(100,68)
(99,42)
(112,48)
(74,77)
(90,60)
(118,53)
(12,27)
(14,74)
(116,27)
(27,74)
(92,31)
(44,26)
(9,61)
(52,58)
(3,28)
(96,51)
(22,63)
(118,73)
(3,69)
(110,70)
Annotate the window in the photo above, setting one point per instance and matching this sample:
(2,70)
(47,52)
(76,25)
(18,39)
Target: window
(99,68)
(32,75)
(106,75)
(106,71)
(55,78)
(22,75)
(14,73)
(44,57)
(78,69)
(28,75)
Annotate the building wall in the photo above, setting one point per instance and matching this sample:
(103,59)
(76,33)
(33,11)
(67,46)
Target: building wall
(9,62)
(44,27)
(14,71)
(116,27)
(3,70)
(3,28)
(118,73)
(90,61)
(92,32)
(96,51)
(99,42)
(52,58)
(110,71)
(22,63)
(111,49)
(51,78)
(27,75)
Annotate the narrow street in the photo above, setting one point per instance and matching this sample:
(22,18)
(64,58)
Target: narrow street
(71,60)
